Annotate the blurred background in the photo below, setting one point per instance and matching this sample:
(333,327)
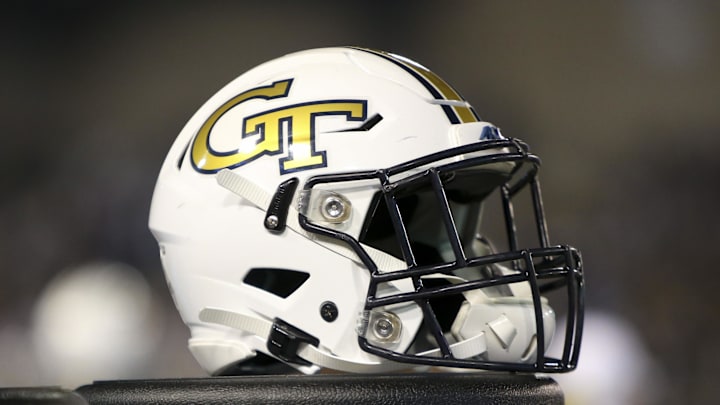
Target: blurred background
(621,99)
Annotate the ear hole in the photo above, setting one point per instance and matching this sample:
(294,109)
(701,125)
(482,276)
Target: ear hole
(280,282)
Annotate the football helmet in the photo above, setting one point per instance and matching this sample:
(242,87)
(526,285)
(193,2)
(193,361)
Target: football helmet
(345,208)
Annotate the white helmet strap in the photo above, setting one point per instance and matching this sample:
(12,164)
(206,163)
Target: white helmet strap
(254,194)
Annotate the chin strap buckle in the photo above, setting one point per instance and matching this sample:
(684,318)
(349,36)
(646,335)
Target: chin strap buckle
(284,341)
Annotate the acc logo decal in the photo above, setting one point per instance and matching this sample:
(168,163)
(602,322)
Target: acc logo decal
(270,129)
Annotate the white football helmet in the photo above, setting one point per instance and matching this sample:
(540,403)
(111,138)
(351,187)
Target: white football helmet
(324,209)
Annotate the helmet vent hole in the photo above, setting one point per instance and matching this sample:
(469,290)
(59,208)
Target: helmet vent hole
(280,282)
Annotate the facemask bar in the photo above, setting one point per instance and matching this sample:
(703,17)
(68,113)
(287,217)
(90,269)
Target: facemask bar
(561,264)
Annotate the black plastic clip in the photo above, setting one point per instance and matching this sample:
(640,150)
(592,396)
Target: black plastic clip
(276,216)
(285,339)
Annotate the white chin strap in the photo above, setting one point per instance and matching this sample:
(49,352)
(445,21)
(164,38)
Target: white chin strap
(254,194)
(263,328)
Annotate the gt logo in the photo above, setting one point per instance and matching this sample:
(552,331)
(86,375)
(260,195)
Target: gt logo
(265,133)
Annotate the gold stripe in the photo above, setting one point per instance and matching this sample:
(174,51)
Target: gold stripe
(465,114)
(445,89)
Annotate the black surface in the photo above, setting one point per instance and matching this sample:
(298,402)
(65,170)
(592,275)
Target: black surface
(430,388)
(40,395)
